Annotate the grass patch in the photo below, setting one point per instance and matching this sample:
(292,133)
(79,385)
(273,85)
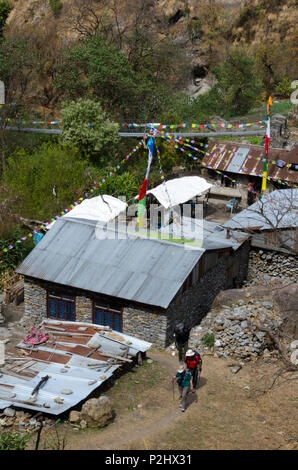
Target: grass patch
(130,388)
(208,340)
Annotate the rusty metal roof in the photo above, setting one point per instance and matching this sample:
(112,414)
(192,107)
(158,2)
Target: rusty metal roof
(240,158)
(70,360)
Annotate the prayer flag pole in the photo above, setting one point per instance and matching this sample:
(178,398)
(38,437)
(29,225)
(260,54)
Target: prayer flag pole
(264,179)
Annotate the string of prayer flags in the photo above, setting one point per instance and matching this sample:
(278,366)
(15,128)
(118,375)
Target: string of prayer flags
(68,209)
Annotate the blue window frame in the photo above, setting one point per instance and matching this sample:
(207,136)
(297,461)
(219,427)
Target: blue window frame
(61,307)
(107,317)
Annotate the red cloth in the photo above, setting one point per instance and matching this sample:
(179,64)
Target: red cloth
(267,145)
(36,337)
(192,361)
(143,189)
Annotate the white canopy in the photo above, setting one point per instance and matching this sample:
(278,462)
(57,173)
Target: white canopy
(179,190)
(103,208)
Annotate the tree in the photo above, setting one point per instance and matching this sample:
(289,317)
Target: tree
(99,140)
(5,9)
(17,66)
(274,62)
(96,68)
(238,86)
(119,185)
(45,181)
(90,17)
(275,213)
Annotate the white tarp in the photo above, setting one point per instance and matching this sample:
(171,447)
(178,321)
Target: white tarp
(179,190)
(102,208)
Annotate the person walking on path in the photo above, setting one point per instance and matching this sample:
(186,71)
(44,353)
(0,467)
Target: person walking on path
(181,335)
(194,364)
(184,381)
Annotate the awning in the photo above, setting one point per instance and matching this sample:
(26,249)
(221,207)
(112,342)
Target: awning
(102,208)
(179,190)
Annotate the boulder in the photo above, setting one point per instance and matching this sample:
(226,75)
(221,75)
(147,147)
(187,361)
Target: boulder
(97,411)
(9,412)
(74,416)
(287,301)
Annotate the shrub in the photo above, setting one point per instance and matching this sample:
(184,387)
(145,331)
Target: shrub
(283,88)
(194,30)
(13,441)
(100,141)
(5,9)
(56,6)
(208,340)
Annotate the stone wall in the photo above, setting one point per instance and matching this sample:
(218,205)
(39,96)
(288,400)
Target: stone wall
(196,302)
(265,265)
(153,324)
(84,309)
(191,306)
(35,299)
(146,324)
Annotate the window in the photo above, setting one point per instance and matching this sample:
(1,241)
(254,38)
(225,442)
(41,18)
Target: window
(107,317)
(61,307)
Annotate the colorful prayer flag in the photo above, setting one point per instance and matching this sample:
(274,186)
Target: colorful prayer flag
(264,180)
(143,188)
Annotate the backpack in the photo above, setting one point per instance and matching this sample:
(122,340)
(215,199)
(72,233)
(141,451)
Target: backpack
(180,379)
(199,356)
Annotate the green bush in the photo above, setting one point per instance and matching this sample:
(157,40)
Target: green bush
(56,6)
(283,88)
(99,141)
(29,179)
(5,9)
(208,340)
(14,441)
(194,30)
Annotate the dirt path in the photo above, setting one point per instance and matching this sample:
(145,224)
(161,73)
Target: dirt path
(223,414)
(142,425)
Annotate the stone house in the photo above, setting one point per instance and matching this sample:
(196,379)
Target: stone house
(244,164)
(140,286)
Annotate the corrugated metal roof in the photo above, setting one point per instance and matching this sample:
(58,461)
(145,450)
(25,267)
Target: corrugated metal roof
(211,235)
(277,209)
(143,270)
(75,371)
(222,159)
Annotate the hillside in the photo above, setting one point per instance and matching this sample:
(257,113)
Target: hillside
(201,31)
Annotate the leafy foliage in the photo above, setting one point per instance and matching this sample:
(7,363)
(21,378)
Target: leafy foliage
(17,66)
(133,88)
(238,88)
(32,178)
(11,259)
(119,185)
(208,340)
(56,6)
(283,88)
(5,9)
(99,140)
(14,441)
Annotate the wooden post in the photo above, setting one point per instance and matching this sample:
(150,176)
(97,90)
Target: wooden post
(2,93)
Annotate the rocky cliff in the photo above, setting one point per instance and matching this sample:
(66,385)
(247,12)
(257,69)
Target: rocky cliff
(203,30)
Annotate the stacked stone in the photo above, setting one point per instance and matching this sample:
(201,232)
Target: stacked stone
(235,330)
(22,421)
(269,265)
